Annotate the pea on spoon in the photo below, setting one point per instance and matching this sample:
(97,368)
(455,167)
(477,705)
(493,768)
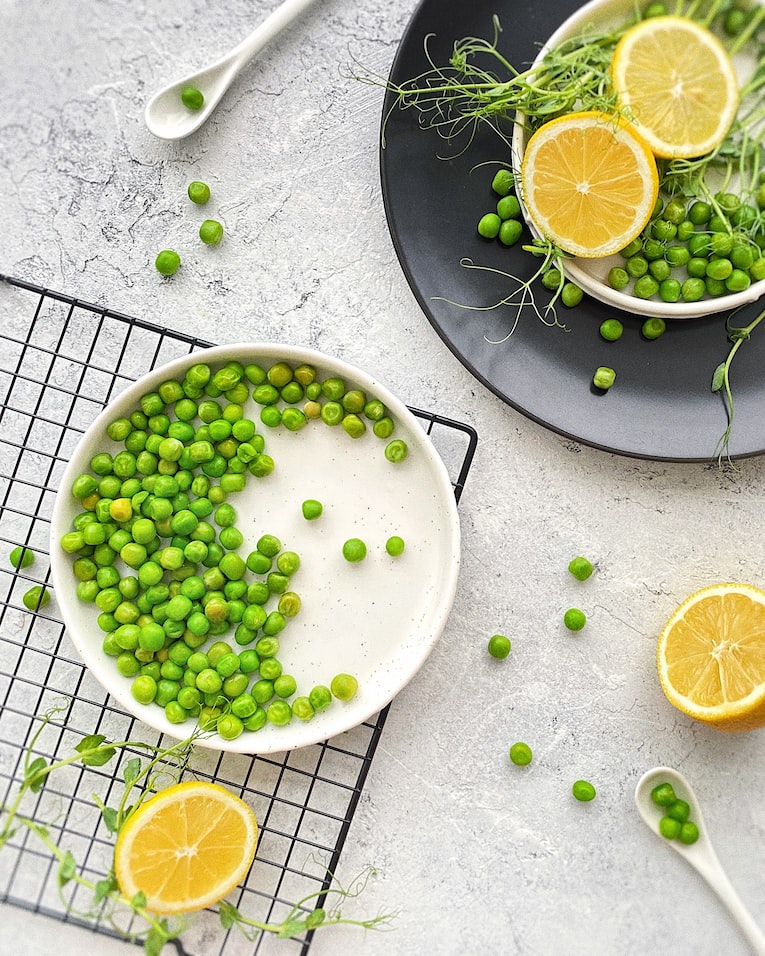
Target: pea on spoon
(166,115)
(701,854)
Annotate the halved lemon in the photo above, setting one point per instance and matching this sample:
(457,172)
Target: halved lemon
(711,657)
(589,183)
(186,847)
(674,79)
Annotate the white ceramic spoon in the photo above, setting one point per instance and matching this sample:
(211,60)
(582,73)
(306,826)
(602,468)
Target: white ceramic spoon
(701,854)
(168,118)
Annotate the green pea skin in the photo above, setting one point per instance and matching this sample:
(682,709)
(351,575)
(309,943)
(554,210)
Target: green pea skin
(611,330)
(574,619)
(344,686)
(583,791)
(520,754)
(499,646)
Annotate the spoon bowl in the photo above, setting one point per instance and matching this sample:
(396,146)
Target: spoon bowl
(168,118)
(700,855)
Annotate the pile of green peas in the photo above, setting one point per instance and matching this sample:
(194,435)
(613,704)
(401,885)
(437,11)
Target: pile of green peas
(697,249)
(675,824)
(505,224)
(155,547)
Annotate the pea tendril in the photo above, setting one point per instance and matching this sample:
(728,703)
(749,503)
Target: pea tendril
(109,903)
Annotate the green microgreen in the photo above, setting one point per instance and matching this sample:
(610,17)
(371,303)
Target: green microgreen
(142,774)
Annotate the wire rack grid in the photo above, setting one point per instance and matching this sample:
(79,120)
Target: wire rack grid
(61,361)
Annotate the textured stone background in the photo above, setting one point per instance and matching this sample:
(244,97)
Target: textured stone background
(476,855)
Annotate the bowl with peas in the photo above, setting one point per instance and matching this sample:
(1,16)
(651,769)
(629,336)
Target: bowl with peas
(702,251)
(255,542)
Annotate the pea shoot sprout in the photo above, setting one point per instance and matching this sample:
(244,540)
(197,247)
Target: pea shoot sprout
(142,775)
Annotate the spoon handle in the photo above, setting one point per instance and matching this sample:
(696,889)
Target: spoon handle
(725,890)
(274,23)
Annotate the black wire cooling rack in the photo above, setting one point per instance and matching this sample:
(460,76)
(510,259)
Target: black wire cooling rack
(61,362)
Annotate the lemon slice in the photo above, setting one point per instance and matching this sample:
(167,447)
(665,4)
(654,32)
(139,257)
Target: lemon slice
(711,657)
(589,183)
(186,847)
(676,82)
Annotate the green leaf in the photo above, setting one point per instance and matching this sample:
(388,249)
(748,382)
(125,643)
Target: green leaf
(316,918)
(290,928)
(718,379)
(97,758)
(229,914)
(104,888)
(131,771)
(34,775)
(155,941)
(139,900)
(111,819)
(67,869)
(91,742)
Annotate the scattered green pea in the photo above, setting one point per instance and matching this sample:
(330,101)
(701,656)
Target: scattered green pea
(581,568)
(611,330)
(36,598)
(211,232)
(167,262)
(654,327)
(520,754)
(604,377)
(503,182)
(499,646)
(198,192)
(21,557)
(583,790)
(574,619)
(489,225)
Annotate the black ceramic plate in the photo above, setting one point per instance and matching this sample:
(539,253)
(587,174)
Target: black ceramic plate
(661,406)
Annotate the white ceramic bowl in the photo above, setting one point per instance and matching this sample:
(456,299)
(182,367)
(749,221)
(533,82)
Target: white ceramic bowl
(378,619)
(592,274)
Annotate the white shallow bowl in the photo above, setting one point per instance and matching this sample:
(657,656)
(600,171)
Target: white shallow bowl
(378,619)
(592,274)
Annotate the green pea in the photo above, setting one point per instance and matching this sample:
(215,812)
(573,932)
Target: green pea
(396,450)
(395,545)
(229,726)
(574,619)
(699,212)
(670,290)
(660,269)
(192,98)
(583,791)
(604,377)
(645,287)
(511,230)
(719,268)
(636,266)
(36,598)
(312,509)
(499,646)
(354,550)
(21,557)
(508,207)
(503,182)
(144,689)
(353,425)
(618,278)
(320,698)
(167,262)
(289,604)
(653,328)
(198,192)
(211,232)
(520,754)
(489,225)
(632,248)
(279,713)
(679,810)
(552,279)
(693,289)
(344,686)
(303,710)
(737,281)
(571,295)
(669,828)
(611,330)
(689,833)
(285,685)
(581,568)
